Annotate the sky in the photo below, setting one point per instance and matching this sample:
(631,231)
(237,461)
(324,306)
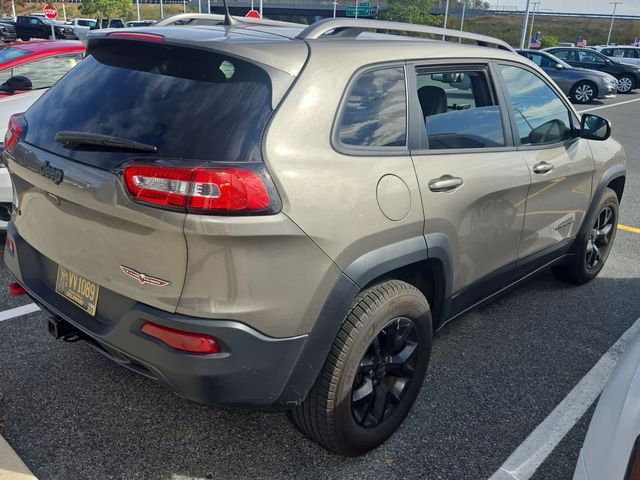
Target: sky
(629,7)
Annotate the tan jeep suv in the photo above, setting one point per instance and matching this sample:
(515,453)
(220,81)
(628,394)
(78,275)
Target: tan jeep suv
(278,216)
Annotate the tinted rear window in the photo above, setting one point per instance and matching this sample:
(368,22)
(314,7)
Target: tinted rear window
(191,104)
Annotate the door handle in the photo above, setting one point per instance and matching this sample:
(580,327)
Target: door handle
(445,183)
(542,167)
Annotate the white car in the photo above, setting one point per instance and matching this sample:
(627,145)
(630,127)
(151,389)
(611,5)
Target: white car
(9,106)
(81,26)
(611,450)
(623,53)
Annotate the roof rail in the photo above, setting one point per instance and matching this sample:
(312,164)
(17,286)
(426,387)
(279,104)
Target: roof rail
(186,18)
(351,27)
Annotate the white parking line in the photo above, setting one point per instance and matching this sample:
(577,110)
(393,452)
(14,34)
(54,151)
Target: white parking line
(18,311)
(525,460)
(609,106)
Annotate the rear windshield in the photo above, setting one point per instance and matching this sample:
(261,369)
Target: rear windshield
(191,104)
(11,53)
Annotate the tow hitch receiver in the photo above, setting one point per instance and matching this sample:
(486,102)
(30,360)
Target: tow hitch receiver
(59,328)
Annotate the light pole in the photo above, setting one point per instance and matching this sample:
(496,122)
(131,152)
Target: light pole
(335,7)
(533,18)
(161,10)
(464,8)
(525,20)
(138,8)
(446,16)
(613,17)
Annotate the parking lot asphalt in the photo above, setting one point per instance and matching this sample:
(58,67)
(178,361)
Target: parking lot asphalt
(495,374)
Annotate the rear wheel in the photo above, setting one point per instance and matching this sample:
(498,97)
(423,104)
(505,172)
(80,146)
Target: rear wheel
(373,373)
(594,246)
(583,92)
(626,83)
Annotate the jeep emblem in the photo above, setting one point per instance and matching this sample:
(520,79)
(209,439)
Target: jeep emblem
(51,172)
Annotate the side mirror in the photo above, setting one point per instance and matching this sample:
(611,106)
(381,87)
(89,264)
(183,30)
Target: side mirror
(593,127)
(558,66)
(19,82)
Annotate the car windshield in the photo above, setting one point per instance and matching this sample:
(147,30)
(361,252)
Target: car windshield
(45,20)
(11,53)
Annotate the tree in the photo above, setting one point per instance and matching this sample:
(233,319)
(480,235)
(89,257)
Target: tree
(105,8)
(411,11)
(5,6)
(548,41)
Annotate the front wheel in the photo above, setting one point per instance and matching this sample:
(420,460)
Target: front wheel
(373,372)
(626,83)
(594,246)
(583,92)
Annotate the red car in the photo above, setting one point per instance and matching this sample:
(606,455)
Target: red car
(36,65)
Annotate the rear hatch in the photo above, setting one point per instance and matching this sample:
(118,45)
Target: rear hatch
(193,106)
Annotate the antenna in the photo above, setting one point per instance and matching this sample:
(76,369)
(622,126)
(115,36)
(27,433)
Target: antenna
(228,19)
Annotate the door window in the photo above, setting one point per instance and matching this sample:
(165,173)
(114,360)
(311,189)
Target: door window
(375,113)
(567,55)
(629,53)
(541,60)
(44,73)
(458,109)
(590,57)
(541,117)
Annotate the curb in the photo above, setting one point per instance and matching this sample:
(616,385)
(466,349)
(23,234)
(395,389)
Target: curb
(11,466)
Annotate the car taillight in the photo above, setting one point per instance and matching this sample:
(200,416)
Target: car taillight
(180,340)
(17,128)
(200,189)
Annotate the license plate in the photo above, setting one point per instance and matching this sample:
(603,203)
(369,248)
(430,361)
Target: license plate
(77,289)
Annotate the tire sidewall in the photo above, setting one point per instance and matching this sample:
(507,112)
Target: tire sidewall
(404,305)
(609,199)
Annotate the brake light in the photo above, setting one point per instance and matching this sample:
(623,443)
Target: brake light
(149,37)
(181,340)
(17,128)
(199,189)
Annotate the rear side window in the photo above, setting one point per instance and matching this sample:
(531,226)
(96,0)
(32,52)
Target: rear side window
(45,72)
(375,113)
(191,104)
(459,109)
(568,55)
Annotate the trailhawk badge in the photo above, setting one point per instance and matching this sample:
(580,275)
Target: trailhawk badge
(143,278)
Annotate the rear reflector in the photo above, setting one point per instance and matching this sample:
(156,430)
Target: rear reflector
(148,37)
(15,289)
(181,340)
(198,189)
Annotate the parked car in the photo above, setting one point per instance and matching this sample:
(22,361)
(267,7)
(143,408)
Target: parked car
(81,26)
(628,75)
(263,231)
(31,26)
(611,448)
(7,32)
(623,53)
(27,70)
(113,23)
(579,84)
(140,23)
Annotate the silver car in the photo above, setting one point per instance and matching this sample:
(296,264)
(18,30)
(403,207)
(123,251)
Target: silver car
(275,216)
(623,53)
(611,449)
(581,85)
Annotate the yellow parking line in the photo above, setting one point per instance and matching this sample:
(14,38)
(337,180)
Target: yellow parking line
(628,228)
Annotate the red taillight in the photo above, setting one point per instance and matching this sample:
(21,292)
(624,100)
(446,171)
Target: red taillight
(198,189)
(17,128)
(15,289)
(149,37)
(181,340)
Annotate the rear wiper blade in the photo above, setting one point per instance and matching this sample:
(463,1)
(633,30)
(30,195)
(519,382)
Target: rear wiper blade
(76,139)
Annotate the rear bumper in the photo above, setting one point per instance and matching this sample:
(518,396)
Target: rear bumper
(253,370)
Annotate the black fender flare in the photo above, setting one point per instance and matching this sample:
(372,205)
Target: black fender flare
(616,171)
(354,278)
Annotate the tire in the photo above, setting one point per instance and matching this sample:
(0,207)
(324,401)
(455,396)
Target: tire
(329,415)
(594,246)
(584,92)
(626,83)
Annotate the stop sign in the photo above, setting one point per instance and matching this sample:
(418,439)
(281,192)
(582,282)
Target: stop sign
(50,12)
(253,14)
